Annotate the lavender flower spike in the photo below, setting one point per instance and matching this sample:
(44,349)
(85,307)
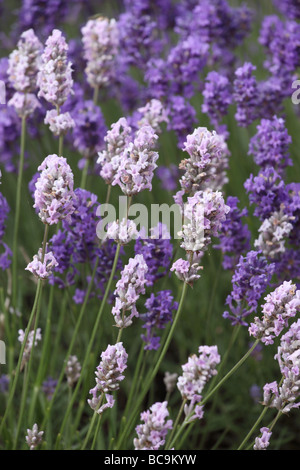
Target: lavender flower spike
(55,76)
(281,304)
(261,443)
(100,41)
(128,290)
(34,437)
(54,190)
(109,374)
(42,269)
(152,434)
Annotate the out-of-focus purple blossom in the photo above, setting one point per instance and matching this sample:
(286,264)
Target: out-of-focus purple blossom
(76,244)
(198,371)
(255,393)
(49,386)
(157,78)
(270,145)
(137,163)
(280,305)
(182,117)
(116,140)
(153,114)
(289,8)
(42,267)
(168,176)
(217,96)
(4,383)
(59,124)
(251,278)
(24,104)
(268,192)
(261,443)
(55,75)
(5,253)
(159,313)
(128,290)
(100,39)
(207,163)
(157,251)
(54,190)
(152,434)
(89,129)
(234,236)
(24,63)
(109,374)
(245,94)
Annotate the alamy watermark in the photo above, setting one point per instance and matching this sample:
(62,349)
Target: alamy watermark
(296,94)
(2,353)
(2,92)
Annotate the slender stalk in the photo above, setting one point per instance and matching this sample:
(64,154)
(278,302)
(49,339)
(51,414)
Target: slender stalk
(149,379)
(17,213)
(175,424)
(257,422)
(84,174)
(91,342)
(92,423)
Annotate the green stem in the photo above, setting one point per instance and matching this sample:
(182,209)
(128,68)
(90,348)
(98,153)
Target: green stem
(92,339)
(84,174)
(259,419)
(169,441)
(17,213)
(151,376)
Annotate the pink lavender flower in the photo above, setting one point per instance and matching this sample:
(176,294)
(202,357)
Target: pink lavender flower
(100,41)
(198,371)
(42,268)
(186,271)
(261,443)
(281,305)
(207,163)
(109,374)
(138,162)
(153,114)
(24,63)
(34,437)
(59,124)
(116,140)
(128,289)
(55,76)
(54,190)
(32,340)
(152,434)
(24,103)
(245,94)
(49,386)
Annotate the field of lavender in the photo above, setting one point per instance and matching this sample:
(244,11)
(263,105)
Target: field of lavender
(149,216)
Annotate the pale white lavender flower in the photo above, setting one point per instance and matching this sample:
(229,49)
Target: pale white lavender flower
(153,114)
(54,193)
(32,339)
(207,163)
(281,305)
(34,437)
(109,374)
(116,140)
(55,75)
(100,37)
(24,103)
(186,271)
(59,123)
(170,381)
(151,435)
(42,266)
(24,63)
(261,443)
(122,232)
(273,234)
(128,290)
(73,370)
(137,163)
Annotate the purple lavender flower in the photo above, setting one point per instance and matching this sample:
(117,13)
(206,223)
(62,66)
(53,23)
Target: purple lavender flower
(249,281)
(128,289)
(157,252)
(216,97)
(245,94)
(281,305)
(43,15)
(207,163)
(55,76)
(109,374)
(198,371)
(152,434)
(261,443)
(100,39)
(168,176)
(270,145)
(24,63)
(289,8)
(42,268)
(159,313)
(49,386)
(137,163)
(5,253)
(152,114)
(182,117)
(4,383)
(59,123)
(186,271)
(54,190)
(234,236)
